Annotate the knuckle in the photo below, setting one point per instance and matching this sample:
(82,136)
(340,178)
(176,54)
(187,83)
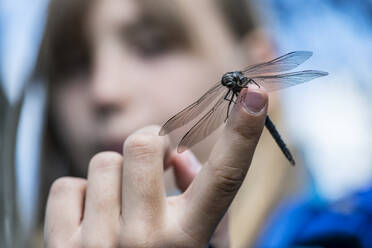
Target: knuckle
(65,184)
(135,240)
(250,132)
(143,146)
(229,179)
(175,237)
(96,242)
(105,160)
(93,237)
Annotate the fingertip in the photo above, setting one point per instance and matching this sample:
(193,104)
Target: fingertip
(146,143)
(192,161)
(65,206)
(249,115)
(186,167)
(254,100)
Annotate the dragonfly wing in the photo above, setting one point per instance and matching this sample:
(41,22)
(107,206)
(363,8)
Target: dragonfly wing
(205,126)
(192,111)
(281,81)
(286,62)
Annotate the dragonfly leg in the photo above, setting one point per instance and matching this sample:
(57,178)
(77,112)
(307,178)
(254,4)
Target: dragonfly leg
(228,108)
(227,113)
(230,101)
(256,83)
(227,94)
(236,95)
(244,83)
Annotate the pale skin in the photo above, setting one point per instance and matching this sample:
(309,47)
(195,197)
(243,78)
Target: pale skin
(122,203)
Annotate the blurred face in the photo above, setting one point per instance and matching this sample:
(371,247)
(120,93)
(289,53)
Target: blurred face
(145,64)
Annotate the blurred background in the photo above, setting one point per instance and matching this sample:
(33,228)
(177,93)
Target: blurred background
(325,201)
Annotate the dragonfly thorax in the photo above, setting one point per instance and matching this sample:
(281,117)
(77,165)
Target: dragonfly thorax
(234,80)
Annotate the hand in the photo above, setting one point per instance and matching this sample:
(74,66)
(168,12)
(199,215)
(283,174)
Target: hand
(123,201)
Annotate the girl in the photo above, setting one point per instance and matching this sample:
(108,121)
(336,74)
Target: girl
(115,66)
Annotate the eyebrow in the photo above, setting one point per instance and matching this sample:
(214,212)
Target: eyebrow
(239,15)
(163,16)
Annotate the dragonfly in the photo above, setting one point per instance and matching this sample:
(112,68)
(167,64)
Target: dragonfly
(224,93)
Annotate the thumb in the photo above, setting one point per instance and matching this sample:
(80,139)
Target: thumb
(243,129)
(233,153)
(215,186)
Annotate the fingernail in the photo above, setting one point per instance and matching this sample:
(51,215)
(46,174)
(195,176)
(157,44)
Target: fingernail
(254,101)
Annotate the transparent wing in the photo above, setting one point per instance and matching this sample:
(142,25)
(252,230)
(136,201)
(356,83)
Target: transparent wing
(286,62)
(192,111)
(281,81)
(205,126)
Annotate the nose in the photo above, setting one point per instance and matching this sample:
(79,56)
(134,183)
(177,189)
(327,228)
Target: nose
(110,93)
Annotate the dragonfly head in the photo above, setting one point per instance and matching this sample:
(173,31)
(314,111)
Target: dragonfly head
(228,79)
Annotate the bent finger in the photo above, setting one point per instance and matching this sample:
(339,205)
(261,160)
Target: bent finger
(64,208)
(143,194)
(103,198)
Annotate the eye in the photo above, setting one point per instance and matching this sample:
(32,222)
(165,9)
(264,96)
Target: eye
(149,42)
(152,44)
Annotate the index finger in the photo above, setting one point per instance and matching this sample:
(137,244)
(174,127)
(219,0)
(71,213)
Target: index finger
(214,188)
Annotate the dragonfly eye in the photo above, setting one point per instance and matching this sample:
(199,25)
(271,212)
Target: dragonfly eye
(227,81)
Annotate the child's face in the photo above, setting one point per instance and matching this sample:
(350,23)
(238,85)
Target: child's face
(145,64)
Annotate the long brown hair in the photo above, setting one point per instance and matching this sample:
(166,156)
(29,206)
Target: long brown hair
(64,29)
